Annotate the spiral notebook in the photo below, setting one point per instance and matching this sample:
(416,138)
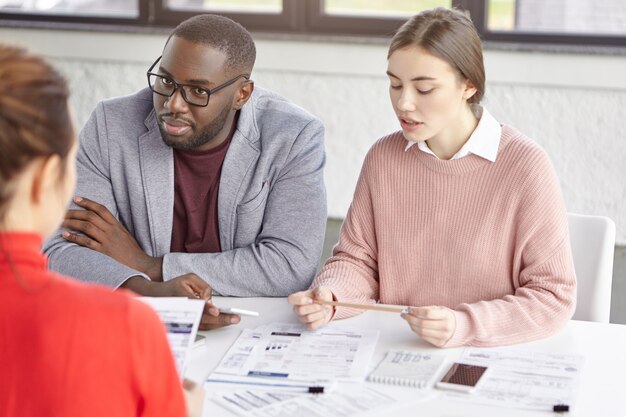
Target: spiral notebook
(407,368)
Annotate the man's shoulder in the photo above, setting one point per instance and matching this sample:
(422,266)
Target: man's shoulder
(268,101)
(271,111)
(134,106)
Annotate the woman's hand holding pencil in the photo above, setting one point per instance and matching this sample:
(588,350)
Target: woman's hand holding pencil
(434,324)
(308,306)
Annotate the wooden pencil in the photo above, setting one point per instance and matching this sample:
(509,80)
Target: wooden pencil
(376,307)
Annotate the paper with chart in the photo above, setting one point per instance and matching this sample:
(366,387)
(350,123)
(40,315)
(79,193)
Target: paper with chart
(181,317)
(524,379)
(350,399)
(291,352)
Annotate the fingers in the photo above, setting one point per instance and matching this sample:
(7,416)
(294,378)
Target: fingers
(193,286)
(429,313)
(210,322)
(211,309)
(81,240)
(434,324)
(323,293)
(189,385)
(85,222)
(309,313)
(194,398)
(301,298)
(207,293)
(316,319)
(307,297)
(96,208)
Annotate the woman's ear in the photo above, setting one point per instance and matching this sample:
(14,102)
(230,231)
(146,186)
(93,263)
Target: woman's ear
(469,90)
(46,177)
(243,94)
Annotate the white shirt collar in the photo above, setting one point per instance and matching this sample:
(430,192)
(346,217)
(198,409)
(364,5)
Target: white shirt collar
(484,140)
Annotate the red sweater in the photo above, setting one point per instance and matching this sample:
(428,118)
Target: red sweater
(486,239)
(73,349)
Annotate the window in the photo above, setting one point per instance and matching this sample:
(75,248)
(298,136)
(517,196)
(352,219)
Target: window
(607,17)
(123,12)
(365,17)
(107,8)
(576,22)
(369,8)
(256,6)
(255,15)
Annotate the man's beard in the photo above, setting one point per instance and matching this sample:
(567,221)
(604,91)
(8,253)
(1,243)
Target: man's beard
(197,139)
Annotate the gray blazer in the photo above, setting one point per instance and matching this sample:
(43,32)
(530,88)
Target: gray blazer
(271,203)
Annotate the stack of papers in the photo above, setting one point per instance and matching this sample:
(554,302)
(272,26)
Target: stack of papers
(288,354)
(350,399)
(267,371)
(181,317)
(523,379)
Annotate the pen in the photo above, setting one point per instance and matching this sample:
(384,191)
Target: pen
(376,307)
(560,408)
(303,388)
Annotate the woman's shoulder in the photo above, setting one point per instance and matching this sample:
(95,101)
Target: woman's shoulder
(514,141)
(94,301)
(393,143)
(526,163)
(520,150)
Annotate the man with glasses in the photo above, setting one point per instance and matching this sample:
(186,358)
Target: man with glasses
(200,183)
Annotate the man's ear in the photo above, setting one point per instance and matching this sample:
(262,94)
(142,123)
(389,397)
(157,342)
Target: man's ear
(243,94)
(46,176)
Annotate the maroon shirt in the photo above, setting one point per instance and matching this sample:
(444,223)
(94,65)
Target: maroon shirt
(197,175)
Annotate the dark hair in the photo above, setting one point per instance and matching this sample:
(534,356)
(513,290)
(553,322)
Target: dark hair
(221,33)
(34,116)
(450,35)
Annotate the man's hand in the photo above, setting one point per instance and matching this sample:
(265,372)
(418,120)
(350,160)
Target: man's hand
(213,319)
(434,324)
(103,233)
(309,313)
(190,286)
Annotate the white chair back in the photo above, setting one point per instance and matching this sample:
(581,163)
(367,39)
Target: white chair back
(593,245)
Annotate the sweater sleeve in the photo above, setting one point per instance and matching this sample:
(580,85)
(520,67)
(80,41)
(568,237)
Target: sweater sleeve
(158,385)
(352,272)
(543,270)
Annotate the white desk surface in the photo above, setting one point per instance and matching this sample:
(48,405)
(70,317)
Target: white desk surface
(602,390)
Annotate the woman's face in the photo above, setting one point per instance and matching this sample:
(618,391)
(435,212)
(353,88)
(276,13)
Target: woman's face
(427,94)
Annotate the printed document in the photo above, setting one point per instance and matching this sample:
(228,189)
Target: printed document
(351,399)
(292,352)
(181,317)
(524,379)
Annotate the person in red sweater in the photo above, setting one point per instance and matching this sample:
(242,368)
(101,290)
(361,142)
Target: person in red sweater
(66,348)
(455,214)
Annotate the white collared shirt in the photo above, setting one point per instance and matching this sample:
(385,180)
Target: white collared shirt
(484,140)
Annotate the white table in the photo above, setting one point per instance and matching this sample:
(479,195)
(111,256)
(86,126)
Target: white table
(602,391)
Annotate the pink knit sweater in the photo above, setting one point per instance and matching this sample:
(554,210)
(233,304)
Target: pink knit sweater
(486,239)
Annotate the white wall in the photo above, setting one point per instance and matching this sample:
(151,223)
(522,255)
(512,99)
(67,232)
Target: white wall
(573,105)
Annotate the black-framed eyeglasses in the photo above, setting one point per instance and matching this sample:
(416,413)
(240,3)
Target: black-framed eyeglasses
(192,94)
